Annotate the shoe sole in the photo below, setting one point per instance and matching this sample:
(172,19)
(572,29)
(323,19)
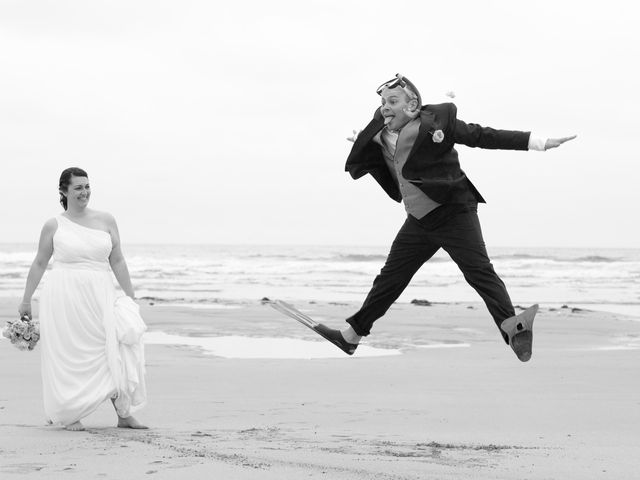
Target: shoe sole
(523,322)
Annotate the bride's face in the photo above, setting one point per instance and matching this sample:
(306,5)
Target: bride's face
(78,192)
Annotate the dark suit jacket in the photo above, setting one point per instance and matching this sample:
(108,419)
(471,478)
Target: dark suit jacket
(432,167)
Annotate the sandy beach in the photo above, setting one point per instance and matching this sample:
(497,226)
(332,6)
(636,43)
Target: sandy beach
(456,403)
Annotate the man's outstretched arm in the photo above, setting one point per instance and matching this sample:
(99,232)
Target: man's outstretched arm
(477,136)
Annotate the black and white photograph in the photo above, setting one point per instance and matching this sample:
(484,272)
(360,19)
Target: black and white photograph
(342,240)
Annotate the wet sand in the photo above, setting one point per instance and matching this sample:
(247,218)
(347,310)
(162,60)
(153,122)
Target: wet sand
(472,411)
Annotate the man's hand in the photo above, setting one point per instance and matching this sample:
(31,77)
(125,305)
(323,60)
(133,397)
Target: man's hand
(556,142)
(354,136)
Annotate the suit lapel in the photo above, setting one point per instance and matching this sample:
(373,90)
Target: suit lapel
(427,127)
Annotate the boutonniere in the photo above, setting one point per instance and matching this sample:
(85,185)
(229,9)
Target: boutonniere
(436,135)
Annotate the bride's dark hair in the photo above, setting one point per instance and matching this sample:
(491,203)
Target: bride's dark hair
(65,181)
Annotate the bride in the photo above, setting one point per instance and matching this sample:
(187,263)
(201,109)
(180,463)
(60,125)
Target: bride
(85,359)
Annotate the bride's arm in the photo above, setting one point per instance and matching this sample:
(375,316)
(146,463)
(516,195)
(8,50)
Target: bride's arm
(117,261)
(39,265)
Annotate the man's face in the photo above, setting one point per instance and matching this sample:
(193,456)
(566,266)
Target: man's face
(394,103)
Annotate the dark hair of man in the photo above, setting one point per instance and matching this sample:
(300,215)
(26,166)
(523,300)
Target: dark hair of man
(65,181)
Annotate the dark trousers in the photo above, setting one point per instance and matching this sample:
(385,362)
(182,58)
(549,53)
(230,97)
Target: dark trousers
(456,229)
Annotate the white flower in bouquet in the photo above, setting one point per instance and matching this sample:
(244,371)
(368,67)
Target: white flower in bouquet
(20,327)
(24,333)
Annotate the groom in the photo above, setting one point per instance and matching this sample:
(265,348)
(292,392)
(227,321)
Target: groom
(409,150)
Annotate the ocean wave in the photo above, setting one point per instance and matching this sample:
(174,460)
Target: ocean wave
(357,273)
(594,259)
(338,273)
(361,257)
(275,255)
(161,299)
(160,274)
(179,288)
(558,259)
(520,256)
(13,274)
(17,258)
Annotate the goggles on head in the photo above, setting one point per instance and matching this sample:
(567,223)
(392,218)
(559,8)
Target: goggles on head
(398,81)
(402,82)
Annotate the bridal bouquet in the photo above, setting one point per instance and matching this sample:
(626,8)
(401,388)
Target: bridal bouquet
(24,333)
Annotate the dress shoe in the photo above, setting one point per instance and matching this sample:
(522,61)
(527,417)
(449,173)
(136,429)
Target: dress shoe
(519,330)
(335,337)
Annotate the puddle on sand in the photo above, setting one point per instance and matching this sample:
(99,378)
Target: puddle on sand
(263,347)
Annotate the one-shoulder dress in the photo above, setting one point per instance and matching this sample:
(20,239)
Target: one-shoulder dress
(83,360)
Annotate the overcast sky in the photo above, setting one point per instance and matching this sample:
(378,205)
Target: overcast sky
(225,122)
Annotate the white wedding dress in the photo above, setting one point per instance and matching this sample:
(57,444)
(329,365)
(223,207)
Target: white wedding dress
(87,357)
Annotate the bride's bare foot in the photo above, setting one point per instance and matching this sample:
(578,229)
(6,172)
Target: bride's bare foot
(130,422)
(75,427)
